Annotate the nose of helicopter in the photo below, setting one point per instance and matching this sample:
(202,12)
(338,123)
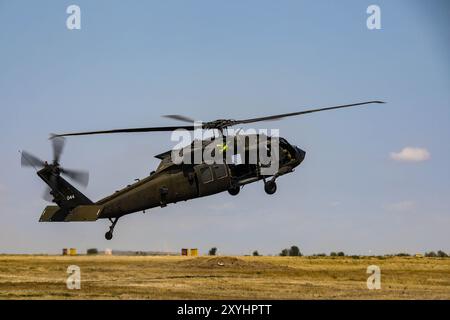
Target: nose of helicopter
(299,154)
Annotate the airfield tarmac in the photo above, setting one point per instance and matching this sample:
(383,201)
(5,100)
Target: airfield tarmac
(176,277)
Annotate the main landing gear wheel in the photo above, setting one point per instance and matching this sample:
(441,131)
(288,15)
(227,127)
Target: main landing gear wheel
(109,234)
(234,191)
(270,187)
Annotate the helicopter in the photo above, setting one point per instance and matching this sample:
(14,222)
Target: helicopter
(172,181)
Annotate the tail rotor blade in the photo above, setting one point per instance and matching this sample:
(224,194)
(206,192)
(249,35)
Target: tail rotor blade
(28,160)
(47,196)
(79,176)
(58,146)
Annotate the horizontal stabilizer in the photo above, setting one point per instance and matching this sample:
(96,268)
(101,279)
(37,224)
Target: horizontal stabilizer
(53,213)
(80,213)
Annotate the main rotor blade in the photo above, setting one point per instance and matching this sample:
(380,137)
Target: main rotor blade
(28,160)
(284,115)
(58,146)
(79,176)
(131,130)
(179,118)
(210,125)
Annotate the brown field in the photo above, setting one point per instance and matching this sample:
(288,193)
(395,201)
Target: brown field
(160,277)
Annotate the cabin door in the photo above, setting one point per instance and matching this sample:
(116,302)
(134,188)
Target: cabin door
(212,178)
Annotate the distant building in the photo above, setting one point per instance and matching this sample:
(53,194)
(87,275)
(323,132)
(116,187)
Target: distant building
(189,252)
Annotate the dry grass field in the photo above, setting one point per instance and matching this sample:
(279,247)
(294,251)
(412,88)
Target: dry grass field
(140,277)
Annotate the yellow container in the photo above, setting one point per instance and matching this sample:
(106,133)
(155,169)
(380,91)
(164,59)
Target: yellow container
(65,251)
(194,252)
(72,251)
(184,252)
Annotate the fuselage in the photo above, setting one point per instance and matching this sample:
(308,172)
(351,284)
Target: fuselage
(172,183)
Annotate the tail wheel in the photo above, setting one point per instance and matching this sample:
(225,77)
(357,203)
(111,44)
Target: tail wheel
(270,187)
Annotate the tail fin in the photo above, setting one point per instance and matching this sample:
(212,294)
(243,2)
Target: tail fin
(72,205)
(65,195)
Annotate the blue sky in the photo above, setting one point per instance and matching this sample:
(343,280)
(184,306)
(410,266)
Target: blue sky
(131,63)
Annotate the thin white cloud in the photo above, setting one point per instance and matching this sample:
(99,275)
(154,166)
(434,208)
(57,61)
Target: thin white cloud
(411,154)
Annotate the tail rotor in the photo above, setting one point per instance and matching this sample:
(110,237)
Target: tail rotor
(54,169)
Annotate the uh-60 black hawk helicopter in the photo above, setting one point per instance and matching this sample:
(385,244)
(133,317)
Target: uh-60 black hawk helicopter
(170,183)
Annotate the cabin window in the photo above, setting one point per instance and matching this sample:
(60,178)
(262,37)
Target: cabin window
(206,174)
(220,171)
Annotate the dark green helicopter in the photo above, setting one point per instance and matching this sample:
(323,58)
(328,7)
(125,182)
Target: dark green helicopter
(171,182)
